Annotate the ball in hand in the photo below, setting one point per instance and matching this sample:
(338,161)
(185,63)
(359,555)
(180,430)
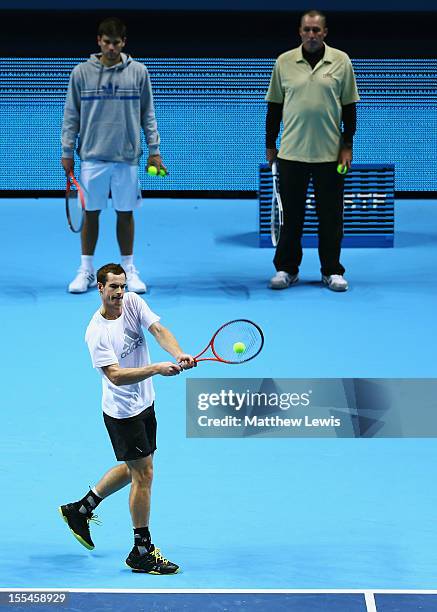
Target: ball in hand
(152,170)
(239,347)
(341,169)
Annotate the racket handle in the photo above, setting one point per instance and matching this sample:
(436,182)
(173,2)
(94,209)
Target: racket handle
(275,168)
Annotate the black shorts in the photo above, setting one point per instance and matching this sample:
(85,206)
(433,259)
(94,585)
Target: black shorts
(134,437)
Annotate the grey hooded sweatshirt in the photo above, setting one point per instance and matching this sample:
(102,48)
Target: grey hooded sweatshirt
(106,107)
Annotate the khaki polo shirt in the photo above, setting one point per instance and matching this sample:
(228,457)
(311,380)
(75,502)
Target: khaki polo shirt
(312,102)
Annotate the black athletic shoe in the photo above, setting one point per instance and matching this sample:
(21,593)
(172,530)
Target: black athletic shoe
(151,563)
(78,523)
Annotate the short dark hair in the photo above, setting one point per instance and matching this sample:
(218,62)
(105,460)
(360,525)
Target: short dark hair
(314,13)
(112,27)
(102,273)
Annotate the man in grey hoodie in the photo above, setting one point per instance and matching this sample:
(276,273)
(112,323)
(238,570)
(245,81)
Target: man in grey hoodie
(109,100)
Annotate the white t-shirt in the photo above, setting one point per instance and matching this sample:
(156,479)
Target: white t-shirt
(121,341)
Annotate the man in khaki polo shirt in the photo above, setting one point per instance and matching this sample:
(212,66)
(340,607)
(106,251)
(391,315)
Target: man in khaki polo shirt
(313,91)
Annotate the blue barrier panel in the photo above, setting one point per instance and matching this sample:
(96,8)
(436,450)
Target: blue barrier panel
(368,207)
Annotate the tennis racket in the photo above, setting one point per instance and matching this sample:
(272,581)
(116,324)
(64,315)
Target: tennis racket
(234,342)
(74,204)
(277,218)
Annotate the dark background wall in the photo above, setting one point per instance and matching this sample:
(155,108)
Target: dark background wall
(365,34)
(223,5)
(397,113)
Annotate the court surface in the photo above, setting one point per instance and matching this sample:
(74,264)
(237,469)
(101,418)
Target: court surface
(262,514)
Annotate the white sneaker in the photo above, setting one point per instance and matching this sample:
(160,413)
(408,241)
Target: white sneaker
(83,281)
(335,282)
(134,282)
(282,280)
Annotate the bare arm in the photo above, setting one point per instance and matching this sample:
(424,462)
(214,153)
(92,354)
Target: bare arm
(165,339)
(168,342)
(129,376)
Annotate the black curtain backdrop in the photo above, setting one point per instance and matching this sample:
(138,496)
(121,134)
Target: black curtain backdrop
(216,34)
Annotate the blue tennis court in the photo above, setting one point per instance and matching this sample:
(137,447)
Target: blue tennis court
(255,514)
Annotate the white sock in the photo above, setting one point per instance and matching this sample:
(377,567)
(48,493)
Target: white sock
(126,261)
(87,262)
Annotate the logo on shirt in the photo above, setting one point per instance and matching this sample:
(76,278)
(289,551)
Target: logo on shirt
(132,341)
(328,75)
(110,91)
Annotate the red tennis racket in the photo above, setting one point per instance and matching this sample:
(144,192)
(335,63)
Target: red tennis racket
(74,204)
(234,342)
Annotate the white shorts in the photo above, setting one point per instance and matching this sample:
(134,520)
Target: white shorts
(98,178)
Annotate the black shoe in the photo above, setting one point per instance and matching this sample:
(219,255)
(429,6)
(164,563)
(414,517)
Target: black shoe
(150,563)
(78,523)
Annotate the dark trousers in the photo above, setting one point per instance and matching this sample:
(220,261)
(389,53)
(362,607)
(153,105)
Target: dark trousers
(328,190)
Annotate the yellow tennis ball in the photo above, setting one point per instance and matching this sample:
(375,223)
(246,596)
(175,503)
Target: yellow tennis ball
(152,170)
(341,169)
(162,172)
(239,347)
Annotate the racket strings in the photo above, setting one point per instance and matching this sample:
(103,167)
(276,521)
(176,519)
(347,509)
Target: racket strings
(277,214)
(74,208)
(238,341)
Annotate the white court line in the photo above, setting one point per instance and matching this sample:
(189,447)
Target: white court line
(370,602)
